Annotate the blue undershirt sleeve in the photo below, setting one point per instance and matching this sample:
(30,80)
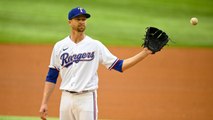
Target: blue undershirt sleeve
(118,66)
(52,75)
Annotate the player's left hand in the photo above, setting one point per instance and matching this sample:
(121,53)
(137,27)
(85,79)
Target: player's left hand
(155,39)
(147,50)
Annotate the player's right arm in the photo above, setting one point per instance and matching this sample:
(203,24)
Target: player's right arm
(50,83)
(48,89)
(51,80)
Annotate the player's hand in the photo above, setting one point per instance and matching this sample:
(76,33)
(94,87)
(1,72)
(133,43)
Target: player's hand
(43,112)
(147,50)
(155,39)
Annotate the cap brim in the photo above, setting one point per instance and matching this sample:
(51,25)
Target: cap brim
(86,15)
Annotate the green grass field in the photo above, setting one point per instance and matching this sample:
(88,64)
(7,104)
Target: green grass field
(27,118)
(22,118)
(112,22)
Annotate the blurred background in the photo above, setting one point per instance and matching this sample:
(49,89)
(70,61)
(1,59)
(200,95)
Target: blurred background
(112,22)
(29,28)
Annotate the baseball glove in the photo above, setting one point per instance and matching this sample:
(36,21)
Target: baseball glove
(155,39)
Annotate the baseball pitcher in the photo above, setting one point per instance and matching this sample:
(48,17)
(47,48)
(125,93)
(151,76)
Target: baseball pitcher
(77,57)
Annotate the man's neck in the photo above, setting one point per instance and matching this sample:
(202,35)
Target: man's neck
(76,37)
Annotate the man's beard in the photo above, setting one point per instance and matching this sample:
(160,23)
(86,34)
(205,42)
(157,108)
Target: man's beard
(81,28)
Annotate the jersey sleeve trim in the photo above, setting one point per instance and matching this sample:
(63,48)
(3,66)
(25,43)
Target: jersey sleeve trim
(113,64)
(53,67)
(118,66)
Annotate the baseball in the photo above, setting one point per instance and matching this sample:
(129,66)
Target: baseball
(194,21)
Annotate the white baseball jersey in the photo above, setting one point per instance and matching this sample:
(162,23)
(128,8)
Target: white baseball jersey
(78,63)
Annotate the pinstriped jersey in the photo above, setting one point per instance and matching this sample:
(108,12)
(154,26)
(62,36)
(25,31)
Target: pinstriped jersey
(78,63)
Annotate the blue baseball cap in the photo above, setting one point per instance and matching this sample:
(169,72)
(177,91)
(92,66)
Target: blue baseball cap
(76,12)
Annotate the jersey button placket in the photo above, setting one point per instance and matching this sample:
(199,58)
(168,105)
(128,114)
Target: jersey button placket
(73,69)
(74,63)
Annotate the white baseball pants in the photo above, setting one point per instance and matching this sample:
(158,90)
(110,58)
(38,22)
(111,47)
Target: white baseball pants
(78,106)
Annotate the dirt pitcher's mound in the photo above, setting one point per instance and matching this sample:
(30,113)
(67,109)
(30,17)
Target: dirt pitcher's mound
(174,84)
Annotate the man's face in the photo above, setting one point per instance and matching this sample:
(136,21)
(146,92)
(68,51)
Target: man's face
(78,23)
